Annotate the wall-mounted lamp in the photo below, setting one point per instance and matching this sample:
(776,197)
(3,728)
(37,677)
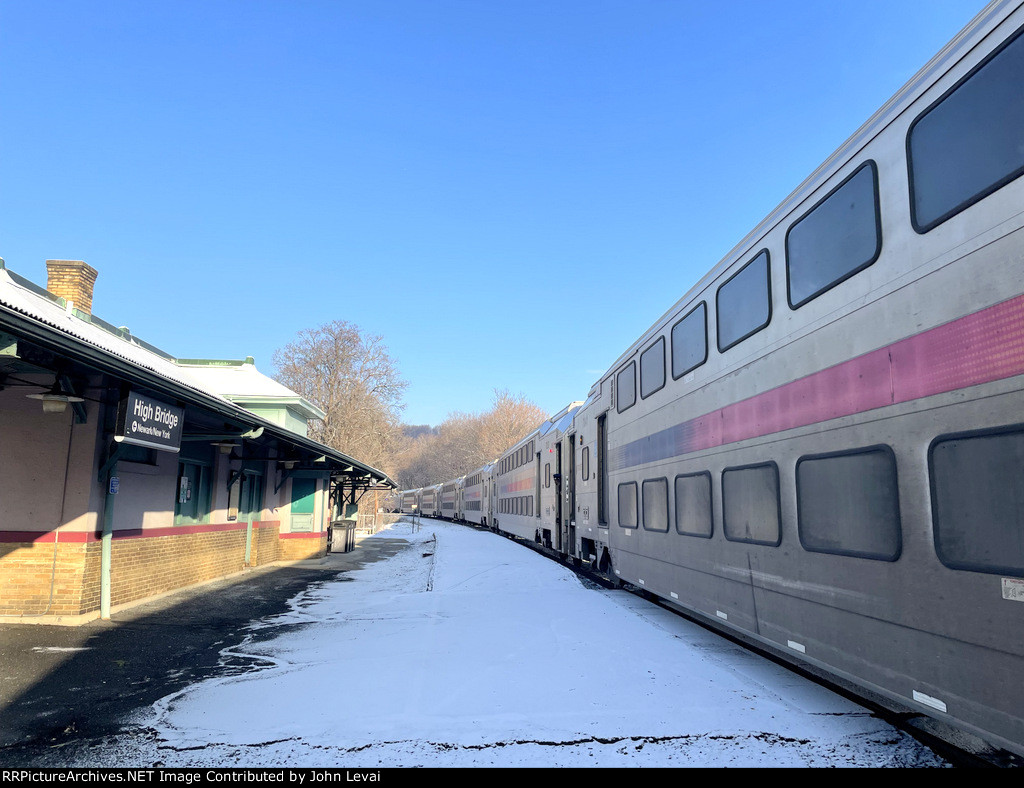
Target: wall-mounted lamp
(226,447)
(56,399)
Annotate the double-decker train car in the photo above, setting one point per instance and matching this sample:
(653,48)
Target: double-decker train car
(430,501)
(822,444)
(477,496)
(820,447)
(410,501)
(450,495)
(556,481)
(515,493)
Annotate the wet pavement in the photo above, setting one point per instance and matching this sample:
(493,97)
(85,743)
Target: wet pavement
(62,686)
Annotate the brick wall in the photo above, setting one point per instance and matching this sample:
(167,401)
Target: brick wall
(40,578)
(305,546)
(266,543)
(63,578)
(146,566)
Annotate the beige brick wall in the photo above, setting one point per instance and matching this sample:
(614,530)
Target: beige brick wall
(46,578)
(300,549)
(63,579)
(266,543)
(146,566)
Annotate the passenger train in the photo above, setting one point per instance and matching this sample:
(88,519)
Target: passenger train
(821,445)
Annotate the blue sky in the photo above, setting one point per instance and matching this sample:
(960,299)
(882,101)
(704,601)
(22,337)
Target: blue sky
(509,192)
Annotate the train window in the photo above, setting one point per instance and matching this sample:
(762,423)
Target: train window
(627,505)
(693,504)
(625,385)
(978,500)
(547,475)
(838,237)
(744,303)
(970,142)
(652,369)
(847,503)
(690,341)
(655,500)
(750,504)
(585,463)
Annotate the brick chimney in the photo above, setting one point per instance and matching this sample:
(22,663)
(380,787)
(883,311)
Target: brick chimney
(72,280)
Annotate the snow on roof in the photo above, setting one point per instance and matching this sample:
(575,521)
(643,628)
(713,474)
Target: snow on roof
(20,295)
(24,297)
(241,382)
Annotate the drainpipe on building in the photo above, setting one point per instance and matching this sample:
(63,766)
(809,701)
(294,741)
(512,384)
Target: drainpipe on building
(107,538)
(108,472)
(60,520)
(248,539)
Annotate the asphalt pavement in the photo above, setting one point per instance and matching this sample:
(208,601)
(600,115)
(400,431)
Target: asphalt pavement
(67,686)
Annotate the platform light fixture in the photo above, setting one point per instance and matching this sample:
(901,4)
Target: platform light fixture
(56,399)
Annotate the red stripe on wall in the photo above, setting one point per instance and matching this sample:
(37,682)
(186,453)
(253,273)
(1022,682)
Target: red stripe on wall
(80,537)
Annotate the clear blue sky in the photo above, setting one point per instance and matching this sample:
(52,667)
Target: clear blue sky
(509,191)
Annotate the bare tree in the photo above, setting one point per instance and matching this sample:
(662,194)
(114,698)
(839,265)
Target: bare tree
(464,442)
(510,419)
(353,379)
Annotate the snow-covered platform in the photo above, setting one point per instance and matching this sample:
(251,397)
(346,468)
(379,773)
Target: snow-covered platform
(462,648)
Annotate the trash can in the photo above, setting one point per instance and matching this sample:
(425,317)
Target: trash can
(343,531)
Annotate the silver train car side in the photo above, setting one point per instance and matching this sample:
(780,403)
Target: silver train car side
(478,496)
(821,446)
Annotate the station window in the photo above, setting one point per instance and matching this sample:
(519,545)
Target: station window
(690,341)
(627,505)
(625,385)
(655,500)
(848,504)
(195,484)
(969,143)
(978,500)
(744,303)
(750,504)
(838,237)
(693,504)
(652,369)
(245,496)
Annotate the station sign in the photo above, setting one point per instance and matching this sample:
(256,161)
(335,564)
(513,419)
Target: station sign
(144,421)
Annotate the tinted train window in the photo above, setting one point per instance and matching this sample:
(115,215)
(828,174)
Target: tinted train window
(838,237)
(744,303)
(690,341)
(655,499)
(978,501)
(585,463)
(627,505)
(750,504)
(970,142)
(848,504)
(652,369)
(625,384)
(693,504)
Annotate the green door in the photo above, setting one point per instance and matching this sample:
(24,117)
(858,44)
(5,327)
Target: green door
(303,498)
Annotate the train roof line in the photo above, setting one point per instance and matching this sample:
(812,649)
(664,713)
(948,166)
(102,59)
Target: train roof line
(994,14)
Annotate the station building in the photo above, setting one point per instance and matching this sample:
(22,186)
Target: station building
(126,473)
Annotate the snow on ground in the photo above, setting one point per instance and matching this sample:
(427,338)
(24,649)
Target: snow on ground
(466,649)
